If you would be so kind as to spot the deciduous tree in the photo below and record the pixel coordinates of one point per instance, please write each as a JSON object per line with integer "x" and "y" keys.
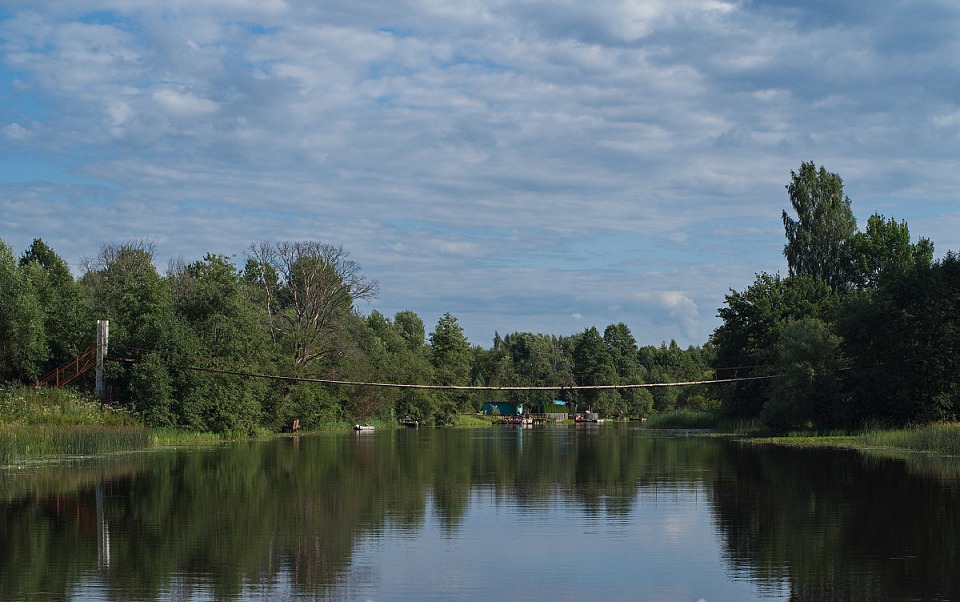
{"x": 23, "y": 348}
{"x": 817, "y": 239}
{"x": 307, "y": 288}
{"x": 753, "y": 320}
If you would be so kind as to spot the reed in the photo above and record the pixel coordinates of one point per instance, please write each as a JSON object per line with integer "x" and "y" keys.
{"x": 20, "y": 442}
{"x": 62, "y": 422}
{"x": 939, "y": 437}
{"x": 684, "y": 418}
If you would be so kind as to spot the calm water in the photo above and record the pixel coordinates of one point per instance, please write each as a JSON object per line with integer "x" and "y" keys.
{"x": 607, "y": 513}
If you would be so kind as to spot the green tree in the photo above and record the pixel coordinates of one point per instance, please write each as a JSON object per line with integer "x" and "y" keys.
{"x": 23, "y": 348}
{"x": 395, "y": 356}
{"x": 533, "y": 360}
{"x": 622, "y": 348}
{"x": 450, "y": 352}
{"x": 668, "y": 363}
{"x": 592, "y": 365}
{"x": 67, "y": 323}
{"x": 903, "y": 341}
{"x": 127, "y": 290}
{"x": 211, "y": 299}
{"x": 817, "y": 239}
{"x": 753, "y": 321}
{"x": 307, "y": 289}
{"x": 809, "y": 390}
{"x": 884, "y": 250}
{"x": 450, "y": 356}
{"x": 411, "y": 329}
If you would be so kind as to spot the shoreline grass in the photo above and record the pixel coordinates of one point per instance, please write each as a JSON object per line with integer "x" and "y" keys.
{"x": 941, "y": 438}
{"x": 43, "y": 423}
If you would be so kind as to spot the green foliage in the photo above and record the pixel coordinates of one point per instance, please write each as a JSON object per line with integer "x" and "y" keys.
{"x": 411, "y": 329}
{"x": 818, "y": 238}
{"x": 449, "y": 352}
{"x": 31, "y": 406}
{"x": 685, "y": 418}
{"x": 151, "y": 388}
{"x": 23, "y": 348}
{"x": 220, "y": 322}
{"x": 67, "y": 318}
{"x": 307, "y": 290}
{"x": 746, "y": 343}
{"x": 863, "y": 330}
{"x": 941, "y": 438}
{"x": 450, "y": 356}
{"x": 883, "y": 252}
{"x": 808, "y": 391}
{"x": 592, "y": 365}
{"x": 671, "y": 364}
{"x": 40, "y": 422}
{"x": 527, "y": 359}
{"x": 313, "y": 405}
{"x": 904, "y": 342}
{"x": 869, "y": 301}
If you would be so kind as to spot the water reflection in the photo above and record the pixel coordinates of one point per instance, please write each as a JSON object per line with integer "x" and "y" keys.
{"x": 608, "y": 512}
{"x": 839, "y": 525}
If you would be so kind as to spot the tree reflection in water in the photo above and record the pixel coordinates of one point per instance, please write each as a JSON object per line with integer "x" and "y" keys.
{"x": 289, "y": 513}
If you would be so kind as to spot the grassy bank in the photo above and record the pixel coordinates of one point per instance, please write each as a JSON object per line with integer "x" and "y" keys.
{"x": 941, "y": 438}
{"x": 684, "y": 419}
{"x": 938, "y": 438}
{"x": 39, "y": 423}
{"x": 36, "y": 423}
{"x": 56, "y": 422}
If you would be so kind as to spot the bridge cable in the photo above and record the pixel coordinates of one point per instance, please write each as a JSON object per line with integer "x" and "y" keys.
{"x": 350, "y": 383}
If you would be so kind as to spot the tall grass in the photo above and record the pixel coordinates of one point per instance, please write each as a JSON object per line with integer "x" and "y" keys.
{"x": 29, "y": 405}
{"x": 45, "y": 422}
{"x": 938, "y": 438}
{"x": 19, "y": 442}
{"x": 684, "y": 418}
{"x": 941, "y": 437}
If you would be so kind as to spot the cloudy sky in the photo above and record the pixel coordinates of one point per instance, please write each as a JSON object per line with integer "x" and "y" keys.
{"x": 526, "y": 165}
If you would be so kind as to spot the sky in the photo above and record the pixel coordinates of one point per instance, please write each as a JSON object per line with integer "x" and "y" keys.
{"x": 524, "y": 165}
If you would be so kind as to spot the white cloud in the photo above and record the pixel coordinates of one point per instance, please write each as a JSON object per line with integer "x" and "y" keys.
{"x": 526, "y": 165}
{"x": 15, "y": 131}
{"x": 184, "y": 103}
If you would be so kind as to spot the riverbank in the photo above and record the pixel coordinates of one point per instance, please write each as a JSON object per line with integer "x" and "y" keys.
{"x": 43, "y": 423}
{"x": 62, "y": 422}
{"x": 941, "y": 438}
{"x": 51, "y": 423}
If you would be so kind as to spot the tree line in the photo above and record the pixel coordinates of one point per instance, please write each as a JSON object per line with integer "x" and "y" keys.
{"x": 292, "y": 309}
{"x": 863, "y": 329}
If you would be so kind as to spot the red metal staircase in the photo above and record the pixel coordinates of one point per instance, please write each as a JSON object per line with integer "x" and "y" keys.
{"x": 73, "y": 369}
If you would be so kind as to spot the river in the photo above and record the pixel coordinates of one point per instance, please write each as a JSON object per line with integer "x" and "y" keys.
{"x": 609, "y": 512}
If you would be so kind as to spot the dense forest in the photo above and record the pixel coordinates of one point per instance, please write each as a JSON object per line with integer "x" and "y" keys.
{"x": 865, "y": 328}
{"x": 291, "y": 310}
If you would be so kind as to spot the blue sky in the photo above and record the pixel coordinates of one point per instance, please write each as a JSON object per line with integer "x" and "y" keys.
{"x": 524, "y": 165}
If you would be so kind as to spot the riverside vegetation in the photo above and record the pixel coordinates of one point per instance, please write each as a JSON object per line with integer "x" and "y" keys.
{"x": 863, "y": 330}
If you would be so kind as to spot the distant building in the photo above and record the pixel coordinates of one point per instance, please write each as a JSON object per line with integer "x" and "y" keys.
{"x": 502, "y": 408}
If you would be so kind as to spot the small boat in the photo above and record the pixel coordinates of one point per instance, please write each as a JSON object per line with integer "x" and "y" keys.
{"x": 363, "y": 427}
{"x": 410, "y": 422}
